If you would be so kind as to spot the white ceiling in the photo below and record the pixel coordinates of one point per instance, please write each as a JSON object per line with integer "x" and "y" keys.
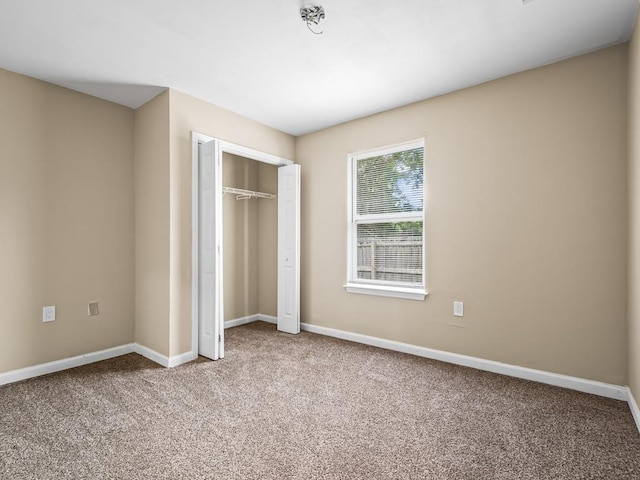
{"x": 257, "y": 58}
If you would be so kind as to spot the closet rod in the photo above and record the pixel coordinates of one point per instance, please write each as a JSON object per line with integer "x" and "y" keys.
{"x": 246, "y": 194}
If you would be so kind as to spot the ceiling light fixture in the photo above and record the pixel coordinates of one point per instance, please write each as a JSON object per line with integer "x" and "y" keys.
{"x": 312, "y": 15}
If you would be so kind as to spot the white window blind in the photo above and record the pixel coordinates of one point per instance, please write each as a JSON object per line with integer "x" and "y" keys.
{"x": 387, "y": 217}
{"x": 391, "y": 183}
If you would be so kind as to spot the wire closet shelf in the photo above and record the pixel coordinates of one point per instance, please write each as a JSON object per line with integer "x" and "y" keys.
{"x": 242, "y": 194}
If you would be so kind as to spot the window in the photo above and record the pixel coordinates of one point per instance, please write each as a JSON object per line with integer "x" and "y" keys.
{"x": 386, "y": 222}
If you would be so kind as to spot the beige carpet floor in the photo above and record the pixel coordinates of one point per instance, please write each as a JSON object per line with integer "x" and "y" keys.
{"x": 307, "y": 407}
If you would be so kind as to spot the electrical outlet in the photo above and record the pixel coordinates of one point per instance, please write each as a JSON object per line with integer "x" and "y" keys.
{"x": 93, "y": 309}
{"x": 48, "y": 314}
{"x": 458, "y": 309}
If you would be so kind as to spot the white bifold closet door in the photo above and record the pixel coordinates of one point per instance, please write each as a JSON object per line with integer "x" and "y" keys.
{"x": 209, "y": 298}
{"x": 289, "y": 249}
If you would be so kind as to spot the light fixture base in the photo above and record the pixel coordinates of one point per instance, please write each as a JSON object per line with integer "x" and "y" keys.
{"x": 312, "y": 15}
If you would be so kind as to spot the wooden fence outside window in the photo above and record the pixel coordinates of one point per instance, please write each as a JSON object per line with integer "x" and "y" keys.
{"x": 396, "y": 260}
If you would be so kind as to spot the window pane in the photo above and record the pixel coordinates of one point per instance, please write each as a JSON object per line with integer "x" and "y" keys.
{"x": 390, "y": 252}
{"x": 390, "y": 183}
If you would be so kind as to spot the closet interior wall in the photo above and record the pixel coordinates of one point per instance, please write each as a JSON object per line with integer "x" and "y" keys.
{"x": 250, "y": 240}
{"x": 268, "y": 241}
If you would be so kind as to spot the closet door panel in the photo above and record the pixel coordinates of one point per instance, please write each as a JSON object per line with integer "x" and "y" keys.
{"x": 208, "y": 276}
{"x": 289, "y": 249}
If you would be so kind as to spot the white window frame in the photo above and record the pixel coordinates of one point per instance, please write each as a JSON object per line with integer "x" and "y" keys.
{"x": 378, "y": 287}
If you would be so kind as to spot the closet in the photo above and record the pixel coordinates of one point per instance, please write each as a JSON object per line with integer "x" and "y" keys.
{"x": 246, "y": 243}
{"x": 250, "y": 239}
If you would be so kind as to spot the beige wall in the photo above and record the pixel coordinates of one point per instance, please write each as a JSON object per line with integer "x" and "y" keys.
{"x": 189, "y": 114}
{"x": 66, "y": 222}
{"x": 526, "y": 220}
{"x": 240, "y": 240}
{"x": 152, "y": 223}
{"x": 634, "y": 215}
{"x": 268, "y": 245}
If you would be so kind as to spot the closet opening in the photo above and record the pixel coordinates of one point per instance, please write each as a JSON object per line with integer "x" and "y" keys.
{"x": 246, "y": 241}
{"x": 250, "y": 240}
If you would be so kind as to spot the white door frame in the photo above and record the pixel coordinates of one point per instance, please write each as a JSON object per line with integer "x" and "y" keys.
{"x": 223, "y": 147}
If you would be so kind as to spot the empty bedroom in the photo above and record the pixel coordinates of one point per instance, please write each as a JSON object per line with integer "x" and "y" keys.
{"x": 320, "y": 239}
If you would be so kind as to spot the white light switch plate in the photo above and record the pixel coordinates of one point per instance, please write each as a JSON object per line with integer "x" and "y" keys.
{"x": 48, "y": 314}
{"x": 458, "y": 309}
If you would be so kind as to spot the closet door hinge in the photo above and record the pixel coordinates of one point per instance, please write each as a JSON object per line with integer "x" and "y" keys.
{"x": 219, "y": 338}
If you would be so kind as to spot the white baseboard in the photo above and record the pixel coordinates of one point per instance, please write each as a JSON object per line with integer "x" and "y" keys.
{"x": 72, "y": 362}
{"x": 635, "y": 411}
{"x": 236, "y": 322}
{"x": 151, "y": 355}
{"x": 181, "y": 359}
{"x": 167, "y": 362}
{"x": 556, "y": 379}
{"x": 64, "y": 364}
{"x": 268, "y": 318}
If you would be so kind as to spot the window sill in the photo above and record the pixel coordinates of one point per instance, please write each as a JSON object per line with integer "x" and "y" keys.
{"x": 387, "y": 291}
